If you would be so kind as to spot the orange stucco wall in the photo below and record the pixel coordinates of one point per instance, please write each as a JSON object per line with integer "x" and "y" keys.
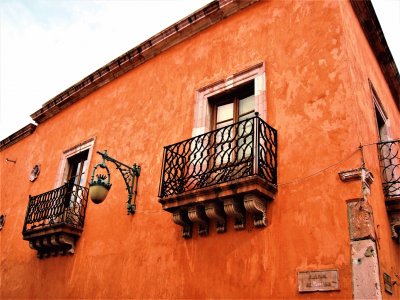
{"x": 317, "y": 66}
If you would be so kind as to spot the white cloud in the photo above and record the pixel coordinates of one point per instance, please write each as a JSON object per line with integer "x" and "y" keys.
{"x": 47, "y": 46}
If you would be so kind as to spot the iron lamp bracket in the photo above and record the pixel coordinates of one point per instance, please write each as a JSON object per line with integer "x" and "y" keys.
{"x": 130, "y": 175}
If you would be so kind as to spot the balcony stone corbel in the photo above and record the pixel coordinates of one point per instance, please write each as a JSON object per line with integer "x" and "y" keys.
{"x": 215, "y": 211}
{"x": 394, "y": 218}
{"x": 236, "y": 210}
{"x": 257, "y": 207}
{"x": 396, "y": 230}
{"x": 198, "y": 216}
{"x": 181, "y": 218}
{"x": 52, "y": 245}
{"x": 65, "y": 242}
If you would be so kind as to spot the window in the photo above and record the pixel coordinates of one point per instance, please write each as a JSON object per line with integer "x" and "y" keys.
{"x": 73, "y": 171}
{"x": 74, "y": 164}
{"x": 58, "y": 215}
{"x": 229, "y": 144}
{"x": 76, "y": 173}
{"x": 382, "y": 121}
{"x": 77, "y": 167}
{"x": 250, "y": 83}
{"x": 233, "y": 106}
{"x": 389, "y": 149}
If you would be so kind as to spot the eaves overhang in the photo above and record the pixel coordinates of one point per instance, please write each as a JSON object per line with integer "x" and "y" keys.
{"x": 372, "y": 29}
{"x": 199, "y": 20}
{"x": 17, "y": 136}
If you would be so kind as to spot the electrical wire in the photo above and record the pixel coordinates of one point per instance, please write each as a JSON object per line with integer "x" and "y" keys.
{"x": 320, "y": 171}
{"x": 301, "y": 179}
{"x": 381, "y": 142}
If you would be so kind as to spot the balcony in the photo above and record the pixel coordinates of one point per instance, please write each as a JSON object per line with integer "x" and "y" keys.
{"x": 54, "y": 220}
{"x": 228, "y": 172}
{"x": 389, "y": 157}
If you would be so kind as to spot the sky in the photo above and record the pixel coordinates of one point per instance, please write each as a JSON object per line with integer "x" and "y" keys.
{"x": 48, "y": 45}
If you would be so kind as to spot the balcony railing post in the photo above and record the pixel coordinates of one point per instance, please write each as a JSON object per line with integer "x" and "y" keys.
{"x": 67, "y": 194}
{"x": 256, "y": 143}
{"x": 27, "y": 213}
{"x": 161, "y": 190}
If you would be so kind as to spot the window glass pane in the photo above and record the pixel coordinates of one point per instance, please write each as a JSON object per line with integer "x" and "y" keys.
{"x": 246, "y": 105}
{"x": 226, "y": 123}
{"x": 224, "y": 112}
{"x": 247, "y": 116}
{"x": 77, "y": 172}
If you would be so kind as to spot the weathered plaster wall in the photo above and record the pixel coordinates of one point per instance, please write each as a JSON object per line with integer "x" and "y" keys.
{"x": 317, "y": 99}
{"x": 362, "y": 66}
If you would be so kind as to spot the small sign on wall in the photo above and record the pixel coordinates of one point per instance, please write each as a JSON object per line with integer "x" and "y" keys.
{"x": 318, "y": 280}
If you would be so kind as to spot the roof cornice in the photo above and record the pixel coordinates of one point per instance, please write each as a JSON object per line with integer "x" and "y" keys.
{"x": 199, "y": 20}
{"x": 17, "y": 136}
{"x": 372, "y": 29}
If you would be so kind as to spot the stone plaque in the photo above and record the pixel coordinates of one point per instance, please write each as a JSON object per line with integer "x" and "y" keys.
{"x": 318, "y": 281}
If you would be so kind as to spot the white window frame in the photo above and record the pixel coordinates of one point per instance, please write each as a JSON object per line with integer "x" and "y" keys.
{"x": 378, "y": 107}
{"x": 63, "y": 168}
{"x": 203, "y": 109}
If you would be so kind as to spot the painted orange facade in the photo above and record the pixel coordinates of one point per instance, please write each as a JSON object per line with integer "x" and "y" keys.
{"x": 318, "y": 65}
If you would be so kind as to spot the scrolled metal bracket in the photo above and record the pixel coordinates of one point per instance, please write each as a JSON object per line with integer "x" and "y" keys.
{"x": 130, "y": 175}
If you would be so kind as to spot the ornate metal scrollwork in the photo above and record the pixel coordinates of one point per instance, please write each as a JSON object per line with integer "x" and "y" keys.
{"x": 66, "y": 204}
{"x": 55, "y": 219}
{"x": 389, "y": 156}
{"x": 243, "y": 149}
{"x": 130, "y": 175}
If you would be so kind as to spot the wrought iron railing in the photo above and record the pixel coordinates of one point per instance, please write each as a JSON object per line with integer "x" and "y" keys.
{"x": 243, "y": 149}
{"x": 389, "y": 156}
{"x": 64, "y": 205}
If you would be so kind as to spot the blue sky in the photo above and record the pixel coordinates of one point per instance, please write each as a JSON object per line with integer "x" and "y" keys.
{"x": 48, "y": 45}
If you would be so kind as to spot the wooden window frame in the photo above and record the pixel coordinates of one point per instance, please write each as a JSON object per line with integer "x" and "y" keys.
{"x": 235, "y": 97}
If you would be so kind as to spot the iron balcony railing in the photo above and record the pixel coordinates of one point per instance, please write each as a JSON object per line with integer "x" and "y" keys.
{"x": 389, "y": 157}
{"x": 64, "y": 205}
{"x": 243, "y": 149}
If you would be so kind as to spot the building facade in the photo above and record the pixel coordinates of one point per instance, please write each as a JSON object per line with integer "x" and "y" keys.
{"x": 255, "y": 143}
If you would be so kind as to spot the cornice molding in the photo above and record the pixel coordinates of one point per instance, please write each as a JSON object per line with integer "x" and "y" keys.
{"x": 17, "y": 136}
{"x": 199, "y": 20}
{"x": 372, "y": 29}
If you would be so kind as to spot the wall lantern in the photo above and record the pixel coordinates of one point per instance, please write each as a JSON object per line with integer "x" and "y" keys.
{"x": 98, "y": 189}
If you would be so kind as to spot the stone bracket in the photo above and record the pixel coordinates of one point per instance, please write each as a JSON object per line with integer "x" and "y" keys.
{"x": 393, "y": 209}
{"x": 53, "y": 244}
{"x": 198, "y": 216}
{"x": 356, "y": 174}
{"x": 257, "y": 206}
{"x": 181, "y": 218}
{"x": 362, "y": 174}
{"x": 236, "y": 210}
{"x": 395, "y": 226}
{"x": 215, "y": 211}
